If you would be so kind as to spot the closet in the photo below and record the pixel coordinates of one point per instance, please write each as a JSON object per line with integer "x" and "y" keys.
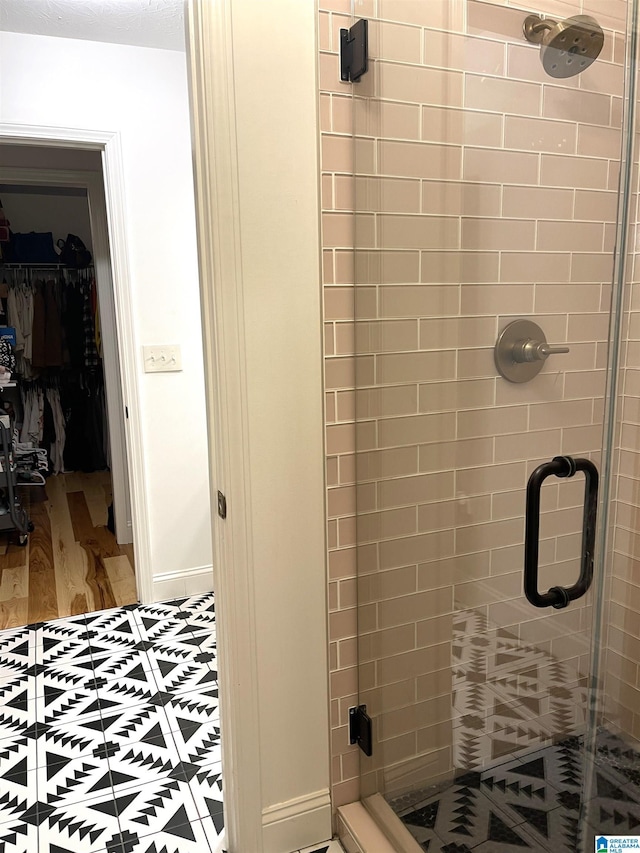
{"x": 51, "y": 345}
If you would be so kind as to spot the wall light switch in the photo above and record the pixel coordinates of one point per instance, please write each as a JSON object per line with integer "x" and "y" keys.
{"x": 162, "y": 358}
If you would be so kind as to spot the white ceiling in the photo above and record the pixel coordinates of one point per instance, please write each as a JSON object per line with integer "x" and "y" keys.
{"x": 147, "y": 23}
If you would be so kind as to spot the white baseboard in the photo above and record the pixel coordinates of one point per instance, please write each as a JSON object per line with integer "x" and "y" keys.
{"x": 297, "y": 823}
{"x": 182, "y": 583}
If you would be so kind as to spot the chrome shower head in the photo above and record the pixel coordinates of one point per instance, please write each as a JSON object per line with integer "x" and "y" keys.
{"x": 567, "y": 47}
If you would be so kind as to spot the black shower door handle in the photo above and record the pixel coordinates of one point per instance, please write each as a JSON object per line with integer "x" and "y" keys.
{"x": 559, "y": 596}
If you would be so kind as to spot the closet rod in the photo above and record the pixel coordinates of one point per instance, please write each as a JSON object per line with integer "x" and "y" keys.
{"x": 15, "y": 266}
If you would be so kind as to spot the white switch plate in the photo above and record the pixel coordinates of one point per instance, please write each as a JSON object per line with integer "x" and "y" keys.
{"x": 162, "y": 358}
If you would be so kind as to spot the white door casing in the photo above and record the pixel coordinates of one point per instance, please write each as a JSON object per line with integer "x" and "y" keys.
{"x": 220, "y": 260}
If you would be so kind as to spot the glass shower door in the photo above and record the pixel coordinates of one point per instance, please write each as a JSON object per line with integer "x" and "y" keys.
{"x": 486, "y": 192}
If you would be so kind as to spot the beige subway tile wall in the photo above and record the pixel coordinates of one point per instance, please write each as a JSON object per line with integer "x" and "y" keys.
{"x": 485, "y": 191}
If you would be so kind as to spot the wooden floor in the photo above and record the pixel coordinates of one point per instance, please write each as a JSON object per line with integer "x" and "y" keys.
{"x": 72, "y": 563}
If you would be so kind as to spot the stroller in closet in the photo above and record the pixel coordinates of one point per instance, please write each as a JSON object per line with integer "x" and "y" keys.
{"x": 13, "y": 516}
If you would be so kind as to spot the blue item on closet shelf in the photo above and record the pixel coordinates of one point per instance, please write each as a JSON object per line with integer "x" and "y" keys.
{"x": 8, "y": 333}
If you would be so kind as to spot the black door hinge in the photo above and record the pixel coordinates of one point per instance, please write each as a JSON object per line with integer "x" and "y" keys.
{"x": 360, "y": 730}
{"x": 222, "y": 505}
{"x": 354, "y": 51}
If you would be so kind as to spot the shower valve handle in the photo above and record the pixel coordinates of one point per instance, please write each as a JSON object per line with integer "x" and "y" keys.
{"x": 530, "y": 350}
{"x": 522, "y": 350}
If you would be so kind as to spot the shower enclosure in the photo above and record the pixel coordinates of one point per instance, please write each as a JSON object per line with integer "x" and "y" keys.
{"x": 495, "y": 189}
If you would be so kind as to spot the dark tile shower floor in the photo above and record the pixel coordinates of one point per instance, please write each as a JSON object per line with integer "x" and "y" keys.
{"x": 534, "y": 802}
{"x": 517, "y": 715}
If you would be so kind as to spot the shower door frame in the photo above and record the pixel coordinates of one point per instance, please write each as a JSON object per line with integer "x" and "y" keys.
{"x": 611, "y": 426}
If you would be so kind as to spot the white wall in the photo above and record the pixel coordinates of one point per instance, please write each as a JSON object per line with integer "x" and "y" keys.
{"x": 141, "y": 94}
{"x": 60, "y": 214}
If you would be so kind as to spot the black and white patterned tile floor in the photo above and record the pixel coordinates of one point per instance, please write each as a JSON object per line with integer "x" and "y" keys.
{"x": 534, "y": 802}
{"x": 110, "y": 732}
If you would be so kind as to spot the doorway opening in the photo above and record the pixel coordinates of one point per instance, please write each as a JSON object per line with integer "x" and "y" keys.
{"x": 63, "y": 402}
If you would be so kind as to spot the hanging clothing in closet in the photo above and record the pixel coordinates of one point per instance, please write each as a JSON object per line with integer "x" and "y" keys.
{"x": 46, "y": 332}
{"x": 83, "y": 389}
{"x": 73, "y": 322}
{"x": 85, "y": 424}
{"x": 33, "y": 310}
{"x": 20, "y": 316}
{"x": 60, "y": 368}
{"x": 32, "y": 416}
